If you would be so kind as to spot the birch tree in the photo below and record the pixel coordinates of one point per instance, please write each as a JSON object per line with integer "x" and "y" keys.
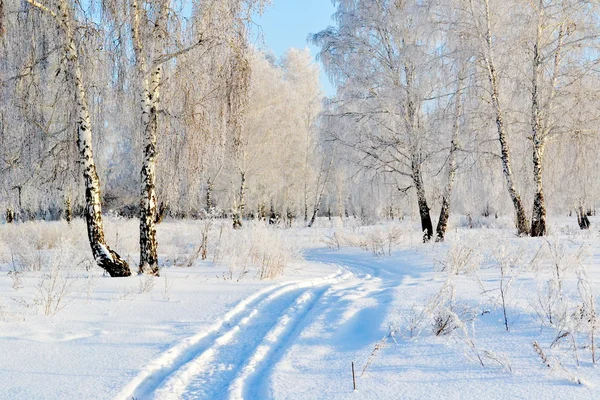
{"x": 105, "y": 257}
{"x": 562, "y": 27}
{"x": 492, "y": 74}
{"x": 385, "y": 72}
{"x": 150, "y": 76}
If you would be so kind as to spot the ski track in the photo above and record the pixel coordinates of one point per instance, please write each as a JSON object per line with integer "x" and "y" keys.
{"x": 172, "y": 369}
{"x": 235, "y": 357}
{"x": 254, "y": 379}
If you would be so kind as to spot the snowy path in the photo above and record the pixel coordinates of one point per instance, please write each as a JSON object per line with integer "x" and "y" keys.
{"x": 236, "y": 357}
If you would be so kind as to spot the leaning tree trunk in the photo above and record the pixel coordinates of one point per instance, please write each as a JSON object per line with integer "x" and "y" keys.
{"x": 106, "y": 258}
{"x": 522, "y": 224}
{"x": 442, "y": 225}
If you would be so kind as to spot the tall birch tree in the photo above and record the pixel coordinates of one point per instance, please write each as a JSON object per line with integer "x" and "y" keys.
{"x": 105, "y": 257}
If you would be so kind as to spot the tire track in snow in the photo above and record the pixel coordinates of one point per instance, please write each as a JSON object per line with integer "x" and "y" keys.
{"x": 252, "y": 381}
{"x": 275, "y": 340}
{"x": 209, "y": 376}
{"x": 173, "y": 370}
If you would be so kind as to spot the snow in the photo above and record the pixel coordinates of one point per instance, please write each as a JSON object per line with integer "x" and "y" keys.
{"x": 193, "y": 334}
{"x": 105, "y": 252}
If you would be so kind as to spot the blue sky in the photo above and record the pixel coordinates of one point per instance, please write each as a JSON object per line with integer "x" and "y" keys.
{"x": 287, "y": 23}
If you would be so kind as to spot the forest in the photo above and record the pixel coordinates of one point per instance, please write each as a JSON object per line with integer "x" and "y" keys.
{"x": 163, "y": 134}
{"x": 457, "y": 106}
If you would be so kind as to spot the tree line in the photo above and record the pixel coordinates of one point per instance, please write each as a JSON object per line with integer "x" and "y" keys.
{"x": 147, "y": 108}
{"x": 448, "y": 84}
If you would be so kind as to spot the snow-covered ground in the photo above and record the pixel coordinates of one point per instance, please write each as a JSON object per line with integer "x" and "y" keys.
{"x": 417, "y": 321}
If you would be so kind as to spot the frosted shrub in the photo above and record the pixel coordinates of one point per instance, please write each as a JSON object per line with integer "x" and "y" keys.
{"x": 256, "y": 246}
{"x": 270, "y": 253}
{"x": 381, "y": 240}
{"x": 27, "y": 246}
{"x": 562, "y": 259}
{"x": 28, "y": 260}
{"x": 335, "y": 240}
{"x": 479, "y": 222}
{"x": 444, "y": 322}
{"x": 17, "y": 279}
{"x": 123, "y": 234}
{"x": 459, "y": 259}
{"x": 57, "y": 282}
{"x": 147, "y": 283}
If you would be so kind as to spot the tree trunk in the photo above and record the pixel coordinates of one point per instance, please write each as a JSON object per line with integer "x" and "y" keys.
{"x": 320, "y": 192}
{"x": 106, "y": 258}
{"x": 313, "y": 217}
{"x": 521, "y": 223}
{"x": 538, "y": 218}
{"x": 442, "y": 225}
{"x": 412, "y": 125}
{"x": 209, "y": 201}
{"x": 150, "y": 99}
{"x": 340, "y": 200}
{"x": 240, "y": 206}
{"x": 305, "y": 210}
{"x": 426, "y": 225}
{"x": 10, "y": 215}
{"x": 68, "y": 210}
{"x": 540, "y": 127}
{"x": 2, "y": 28}
{"x": 148, "y": 200}
{"x": 582, "y": 219}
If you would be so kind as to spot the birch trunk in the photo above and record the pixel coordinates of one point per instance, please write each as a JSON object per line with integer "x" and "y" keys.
{"x": 209, "y": 201}
{"x": 240, "y": 206}
{"x": 320, "y": 192}
{"x": 148, "y": 200}
{"x": 68, "y": 209}
{"x": 522, "y": 224}
{"x": 150, "y": 100}
{"x": 426, "y": 225}
{"x": 540, "y": 127}
{"x": 582, "y": 219}
{"x": 538, "y": 219}
{"x": 106, "y": 258}
{"x": 416, "y": 174}
{"x": 447, "y": 195}
{"x": 10, "y": 215}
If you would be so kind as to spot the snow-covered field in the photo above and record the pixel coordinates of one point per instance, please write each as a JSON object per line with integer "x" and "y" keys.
{"x": 483, "y": 315}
